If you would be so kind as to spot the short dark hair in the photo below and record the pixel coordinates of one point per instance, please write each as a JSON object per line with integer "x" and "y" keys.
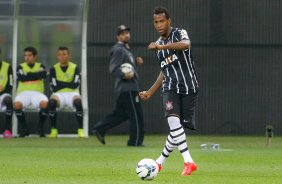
{"x": 32, "y": 50}
{"x": 64, "y": 48}
{"x": 160, "y": 10}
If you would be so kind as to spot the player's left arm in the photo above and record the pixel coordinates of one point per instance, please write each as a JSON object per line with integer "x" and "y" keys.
{"x": 181, "y": 42}
{"x": 76, "y": 79}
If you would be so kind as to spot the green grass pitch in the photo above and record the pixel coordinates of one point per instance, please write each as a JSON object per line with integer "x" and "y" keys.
{"x": 241, "y": 160}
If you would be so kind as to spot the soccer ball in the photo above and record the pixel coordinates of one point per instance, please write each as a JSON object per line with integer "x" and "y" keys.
{"x": 127, "y": 68}
{"x": 147, "y": 169}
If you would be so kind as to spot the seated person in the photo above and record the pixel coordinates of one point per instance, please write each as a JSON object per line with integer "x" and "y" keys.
{"x": 30, "y": 90}
{"x": 64, "y": 83}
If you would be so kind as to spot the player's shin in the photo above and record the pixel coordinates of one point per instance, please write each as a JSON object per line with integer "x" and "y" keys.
{"x": 79, "y": 112}
{"x": 42, "y": 117}
{"x": 52, "y": 105}
{"x": 8, "y": 116}
{"x": 178, "y": 135}
{"x": 168, "y": 148}
{"x": 79, "y": 118}
{"x": 8, "y": 113}
{"x": 21, "y": 118}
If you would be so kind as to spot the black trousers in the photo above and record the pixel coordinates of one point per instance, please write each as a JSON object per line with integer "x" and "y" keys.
{"x": 127, "y": 107}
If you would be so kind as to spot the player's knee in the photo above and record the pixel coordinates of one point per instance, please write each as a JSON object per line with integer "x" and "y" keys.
{"x": 173, "y": 122}
{"x": 78, "y": 104}
{"x": 52, "y": 104}
{"x": 43, "y": 105}
{"x": 8, "y": 102}
{"x": 18, "y": 105}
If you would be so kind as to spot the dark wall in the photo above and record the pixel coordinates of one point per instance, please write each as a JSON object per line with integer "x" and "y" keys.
{"x": 237, "y": 49}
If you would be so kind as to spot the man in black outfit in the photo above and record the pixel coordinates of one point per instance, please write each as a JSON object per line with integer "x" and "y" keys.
{"x": 127, "y": 105}
{"x": 179, "y": 84}
{"x": 30, "y": 91}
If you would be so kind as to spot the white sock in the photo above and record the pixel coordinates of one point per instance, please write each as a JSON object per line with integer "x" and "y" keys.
{"x": 168, "y": 148}
{"x": 187, "y": 157}
{"x": 178, "y": 135}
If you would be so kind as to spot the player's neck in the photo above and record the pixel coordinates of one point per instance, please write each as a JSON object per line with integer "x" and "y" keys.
{"x": 125, "y": 44}
{"x": 167, "y": 34}
{"x": 64, "y": 64}
{"x": 31, "y": 63}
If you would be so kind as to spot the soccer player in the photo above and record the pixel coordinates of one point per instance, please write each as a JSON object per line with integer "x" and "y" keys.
{"x": 30, "y": 90}
{"x": 127, "y": 106}
{"x": 6, "y": 103}
{"x": 179, "y": 86}
{"x": 64, "y": 83}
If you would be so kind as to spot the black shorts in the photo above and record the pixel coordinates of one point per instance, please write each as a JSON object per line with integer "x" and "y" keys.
{"x": 181, "y": 105}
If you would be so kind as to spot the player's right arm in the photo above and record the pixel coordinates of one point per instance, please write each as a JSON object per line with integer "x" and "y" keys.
{"x": 52, "y": 80}
{"x": 182, "y": 45}
{"x": 23, "y": 77}
{"x": 145, "y": 95}
{"x": 116, "y": 61}
{"x": 117, "y": 57}
{"x": 38, "y": 75}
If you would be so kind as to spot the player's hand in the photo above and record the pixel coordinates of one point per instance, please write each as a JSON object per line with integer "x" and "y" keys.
{"x": 128, "y": 76}
{"x": 154, "y": 46}
{"x": 145, "y": 95}
{"x": 139, "y": 60}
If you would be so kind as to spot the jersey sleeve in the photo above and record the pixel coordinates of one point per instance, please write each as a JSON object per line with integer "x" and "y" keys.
{"x": 20, "y": 74}
{"x": 181, "y": 34}
{"x": 52, "y": 80}
{"x": 76, "y": 79}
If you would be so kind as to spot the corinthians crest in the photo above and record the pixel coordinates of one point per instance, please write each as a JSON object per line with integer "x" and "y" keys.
{"x": 168, "y": 105}
{"x": 67, "y": 75}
